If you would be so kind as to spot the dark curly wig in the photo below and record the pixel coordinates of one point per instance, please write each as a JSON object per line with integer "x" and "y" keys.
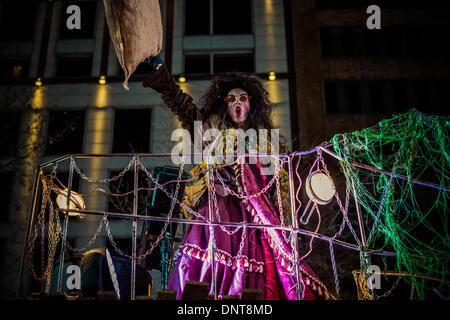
{"x": 213, "y": 104}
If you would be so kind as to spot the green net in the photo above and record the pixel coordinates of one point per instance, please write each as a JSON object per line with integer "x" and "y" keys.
{"x": 405, "y": 201}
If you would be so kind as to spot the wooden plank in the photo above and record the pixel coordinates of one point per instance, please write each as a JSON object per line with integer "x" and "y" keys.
{"x": 231, "y": 297}
{"x": 194, "y": 290}
{"x": 167, "y": 295}
{"x": 144, "y": 298}
{"x": 251, "y": 294}
{"x": 106, "y": 295}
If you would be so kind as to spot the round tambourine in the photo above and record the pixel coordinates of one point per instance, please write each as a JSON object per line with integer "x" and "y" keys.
{"x": 320, "y": 187}
{"x": 76, "y": 201}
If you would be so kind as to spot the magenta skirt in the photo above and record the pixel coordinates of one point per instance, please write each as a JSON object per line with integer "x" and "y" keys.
{"x": 245, "y": 257}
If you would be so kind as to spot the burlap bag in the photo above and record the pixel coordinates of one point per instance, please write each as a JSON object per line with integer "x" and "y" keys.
{"x": 136, "y": 31}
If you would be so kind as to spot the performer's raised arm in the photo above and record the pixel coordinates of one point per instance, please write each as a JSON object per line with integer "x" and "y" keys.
{"x": 180, "y": 103}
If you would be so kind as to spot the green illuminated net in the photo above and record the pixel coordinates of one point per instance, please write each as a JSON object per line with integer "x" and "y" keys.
{"x": 406, "y": 211}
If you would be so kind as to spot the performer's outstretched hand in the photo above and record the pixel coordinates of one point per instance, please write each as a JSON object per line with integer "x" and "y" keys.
{"x": 154, "y": 61}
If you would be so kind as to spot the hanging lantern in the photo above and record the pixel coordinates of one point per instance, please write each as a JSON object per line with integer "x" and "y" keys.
{"x": 76, "y": 202}
{"x": 320, "y": 187}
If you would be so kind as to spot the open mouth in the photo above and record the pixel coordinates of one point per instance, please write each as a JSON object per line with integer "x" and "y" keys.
{"x": 238, "y": 110}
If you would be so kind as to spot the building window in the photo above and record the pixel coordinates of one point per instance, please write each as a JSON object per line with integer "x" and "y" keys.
{"x": 14, "y": 69}
{"x": 65, "y": 132}
{"x": 387, "y": 96}
{"x": 387, "y": 4}
{"x": 9, "y": 132}
{"x": 221, "y": 62}
{"x": 88, "y": 11}
{"x": 232, "y": 17}
{"x": 208, "y": 17}
{"x": 18, "y": 21}
{"x": 197, "y": 63}
{"x": 74, "y": 67}
{"x": 197, "y": 13}
{"x": 6, "y": 179}
{"x": 132, "y": 131}
{"x": 233, "y": 62}
{"x": 387, "y": 42}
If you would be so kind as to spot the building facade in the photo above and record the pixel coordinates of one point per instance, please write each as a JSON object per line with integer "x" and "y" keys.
{"x": 69, "y": 112}
{"x": 333, "y": 75}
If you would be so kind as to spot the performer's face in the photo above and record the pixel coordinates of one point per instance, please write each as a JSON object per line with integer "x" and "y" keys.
{"x": 238, "y": 106}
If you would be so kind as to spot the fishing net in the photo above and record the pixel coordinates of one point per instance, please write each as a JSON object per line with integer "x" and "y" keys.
{"x": 405, "y": 199}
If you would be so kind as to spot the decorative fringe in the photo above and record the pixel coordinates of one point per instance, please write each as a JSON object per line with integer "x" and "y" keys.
{"x": 250, "y": 265}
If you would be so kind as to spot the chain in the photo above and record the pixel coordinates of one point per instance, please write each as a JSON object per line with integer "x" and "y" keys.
{"x": 160, "y": 187}
{"x": 255, "y": 195}
{"x": 52, "y": 238}
{"x": 387, "y": 293}
{"x": 91, "y": 241}
{"x": 241, "y": 245}
{"x": 216, "y": 207}
{"x": 280, "y": 206}
{"x": 169, "y": 216}
{"x": 333, "y": 265}
{"x": 92, "y": 180}
{"x": 33, "y": 239}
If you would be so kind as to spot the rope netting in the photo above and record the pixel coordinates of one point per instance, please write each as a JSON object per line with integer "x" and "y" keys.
{"x": 402, "y": 211}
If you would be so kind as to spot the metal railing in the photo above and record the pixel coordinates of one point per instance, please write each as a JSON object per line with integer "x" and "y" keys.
{"x": 208, "y": 221}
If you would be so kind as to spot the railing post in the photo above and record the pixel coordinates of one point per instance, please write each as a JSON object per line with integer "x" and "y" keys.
{"x": 212, "y": 243}
{"x": 134, "y": 232}
{"x": 66, "y": 222}
{"x": 362, "y": 233}
{"x": 29, "y": 227}
{"x": 294, "y": 225}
